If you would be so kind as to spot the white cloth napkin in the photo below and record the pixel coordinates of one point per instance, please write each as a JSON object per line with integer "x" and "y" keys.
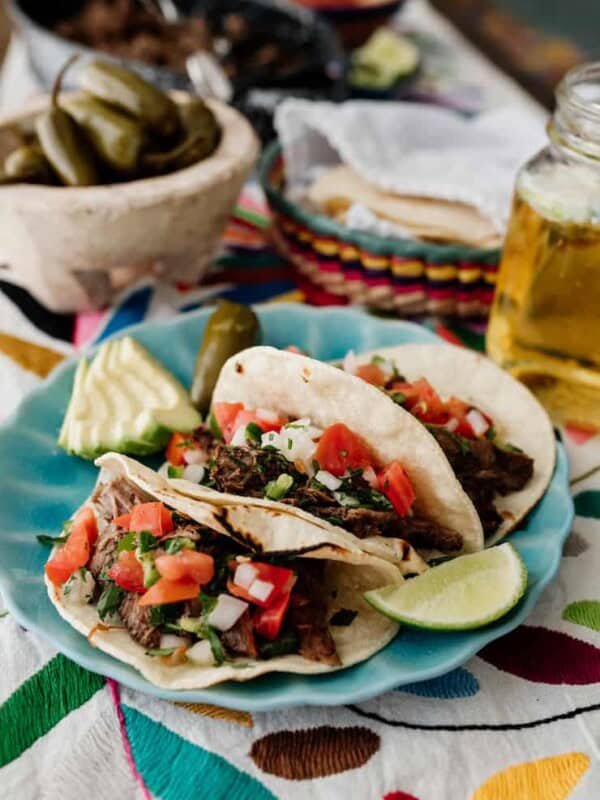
{"x": 413, "y": 149}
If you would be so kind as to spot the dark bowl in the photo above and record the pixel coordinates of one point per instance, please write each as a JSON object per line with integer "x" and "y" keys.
{"x": 354, "y": 24}
{"x": 322, "y": 74}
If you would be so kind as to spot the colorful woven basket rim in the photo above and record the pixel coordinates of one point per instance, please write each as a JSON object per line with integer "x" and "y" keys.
{"x": 271, "y": 171}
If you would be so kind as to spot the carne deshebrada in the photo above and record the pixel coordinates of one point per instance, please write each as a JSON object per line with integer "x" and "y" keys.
{"x": 173, "y": 586}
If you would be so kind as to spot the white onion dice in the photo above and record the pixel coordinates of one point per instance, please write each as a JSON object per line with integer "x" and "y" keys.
{"x": 227, "y": 612}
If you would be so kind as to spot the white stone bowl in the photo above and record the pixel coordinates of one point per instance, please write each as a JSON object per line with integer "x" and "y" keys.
{"x": 74, "y": 249}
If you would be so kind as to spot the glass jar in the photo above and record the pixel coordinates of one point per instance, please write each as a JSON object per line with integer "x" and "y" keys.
{"x": 545, "y": 321}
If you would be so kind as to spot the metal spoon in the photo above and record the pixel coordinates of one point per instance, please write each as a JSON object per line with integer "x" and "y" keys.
{"x": 204, "y": 71}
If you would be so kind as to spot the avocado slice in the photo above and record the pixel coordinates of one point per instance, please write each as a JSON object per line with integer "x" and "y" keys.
{"x": 124, "y": 401}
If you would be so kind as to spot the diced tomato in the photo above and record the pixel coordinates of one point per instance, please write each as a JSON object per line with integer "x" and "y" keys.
{"x": 151, "y": 517}
{"x": 75, "y": 552}
{"x": 422, "y": 400}
{"x": 268, "y": 621}
{"x": 123, "y": 521}
{"x": 128, "y": 573}
{"x": 225, "y": 414}
{"x": 166, "y": 591}
{"x": 199, "y": 567}
{"x": 458, "y": 410}
{"x": 340, "y": 449}
{"x": 281, "y": 578}
{"x": 292, "y": 348}
{"x": 396, "y": 486}
{"x": 60, "y": 567}
{"x": 244, "y": 418}
{"x": 176, "y": 448}
{"x": 86, "y": 520}
{"x": 371, "y": 373}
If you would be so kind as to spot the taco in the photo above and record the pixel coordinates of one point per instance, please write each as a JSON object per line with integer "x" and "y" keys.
{"x": 191, "y": 594}
{"x": 287, "y": 431}
{"x": 494, "y": 433}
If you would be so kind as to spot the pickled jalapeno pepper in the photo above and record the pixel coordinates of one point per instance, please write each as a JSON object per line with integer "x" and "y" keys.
{"x": 116, "y": 138}
{"x": 232, "y": 327}
{"x": 63, "y": 142}
{"x": 129, "y": 92}
{"x": 198, "y": 121}
{"x": 28, "y": 164}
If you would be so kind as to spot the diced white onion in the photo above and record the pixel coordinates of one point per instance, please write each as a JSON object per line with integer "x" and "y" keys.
{"x": 477, "y": 421}
{"x": 201, "y": 653}
{"x": 195, "y": 456}
{"x": 227, "y": 612}
{"x": 244, "y": 575}
{"x": 346, "y": 499}
{"x": 164, "y": 470}
{"x": 239, "y": 437}
{"x": 168, "y": 640}
{"x": 350, "y": 363}
{"x": 370, "y": 477}
{"x": 452, "y": 424}
{"x": 267, "y": 415}
{"x": 261, "y": 590}
{"x": 80, "y": 589}
{"x": 328, "y": 480}
{"x": 270, "y": 439}
{"x": 193, "y": 473}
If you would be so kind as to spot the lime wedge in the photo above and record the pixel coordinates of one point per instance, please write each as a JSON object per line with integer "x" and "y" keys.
{"x": 467, "y": 592}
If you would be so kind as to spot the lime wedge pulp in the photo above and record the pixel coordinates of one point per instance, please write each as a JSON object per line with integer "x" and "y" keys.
{"x": 468, "y": 592}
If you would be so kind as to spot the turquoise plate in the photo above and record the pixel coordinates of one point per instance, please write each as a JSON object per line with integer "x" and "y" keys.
{"x": 40, "y": 486}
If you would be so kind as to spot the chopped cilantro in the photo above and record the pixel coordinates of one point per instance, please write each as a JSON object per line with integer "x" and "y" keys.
{"x": 110, "y": 600}
{"x": 212, "y": 637}
{"x": 207, "y": 602}
{"x": 510, "y": 448}
{"x": 127, "y": 542}
{"x": 290, "y": 444}
{"x": 275, "y": 490}
{"x": 214, "y": 426}
{"x": 254, "y": 433}
{"x": 51, "y": 540}
{"x": 147, "y": 541}
{"x": 285, "y": 643}
{"x": 166, "y": 613}
{"x": 161, "y": 651}
{"x": 174, "y": 472}
{"x": 398, "y": 397}
{"x": 177, "y": 544}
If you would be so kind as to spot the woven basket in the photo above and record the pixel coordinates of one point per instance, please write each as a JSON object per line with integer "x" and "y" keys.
{"x": 402, "y": 275}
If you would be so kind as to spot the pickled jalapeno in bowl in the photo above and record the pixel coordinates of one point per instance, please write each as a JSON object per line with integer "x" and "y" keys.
{"x": 116, "y": 183}
{"x": 117, "y": 128}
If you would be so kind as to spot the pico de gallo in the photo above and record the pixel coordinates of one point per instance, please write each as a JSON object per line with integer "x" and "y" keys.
{"x": 186, "y": 593}
{"x": 331, "y": 473}
{"x": 484, "y": 464}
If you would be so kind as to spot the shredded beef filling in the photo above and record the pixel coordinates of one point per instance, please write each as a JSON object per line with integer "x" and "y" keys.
{"x": 308, "y": 618}
{"x": 247, "y": 470}
{"x": 484, "y": 469}
{"x": 239, "y": 640}
{"x": 136, "y": 619}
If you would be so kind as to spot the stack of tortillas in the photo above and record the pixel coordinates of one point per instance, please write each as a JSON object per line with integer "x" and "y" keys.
{"x": 338, "y": 189}
{"x": 407, "y": 169}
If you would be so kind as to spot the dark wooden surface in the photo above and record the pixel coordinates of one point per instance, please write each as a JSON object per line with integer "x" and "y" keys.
{"x": 4, "y": 30}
